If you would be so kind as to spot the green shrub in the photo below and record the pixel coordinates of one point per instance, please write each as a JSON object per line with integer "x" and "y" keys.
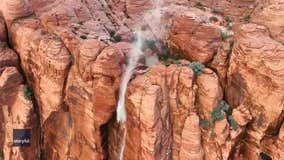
{"x": 247, "y": 18}
{"x": 170, "y": 61}
{"x": 264, "y": 156}
{"x": 149, "y": 44}
{"x": 71, "y": 59}
{"x": 231, "y": 43}
{"x": 259, "y": 120}
{"x": 28, "y": 93}
{"x": 218, "y": 113}
{"x": 225, "y": 107}
{"x": 187, "y": 114}
{"x": 224, "y": 35}
{"x": 204, "y": 124}
{"x": 228, "y": 19}
{"x": 216, "y": 11}
{"x": 114, "y": 36}
{"x": 83, "y": 37}
{"x": 200, "y": 6}
{"x": 1, "y": 155}
{"x": 165, "y": 56}
{"x": 165, "y": 52}
{"x": 213, "y": 134}
{"x": 197, "y": 67}
{"x": 213, "y": 18}
{"x": 232, "y": 123}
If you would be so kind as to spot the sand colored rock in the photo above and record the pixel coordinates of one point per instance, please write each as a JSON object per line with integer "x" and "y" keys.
{"x": 16, "y": 112}
{"x": 255, "y": 72}
{"x": 209, "y": 93}
{"x": 58, "y": 131}
{"x": 14, "y": 9}
{"x": 268, "y": 14}
{"x": 191, "y": 147}
{"x": 45, "y": 60}
{"x": 237, "y": 10}
{"x": 242, "y": 115}
{"x": 148, "y": 118}
{"x": 7, "y": 57}
{"x": 91, "y": 96}
{"x": 3, "y": 32}
{"x": 189, "y": 37}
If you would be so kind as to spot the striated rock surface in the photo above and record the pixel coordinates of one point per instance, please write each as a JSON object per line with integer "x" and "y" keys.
{"x": 45, "y": 60}
{"x": 16, "y": 112}
{"x": 189, "y": 38}
{"x": 91, "y": 90}
{"x": 256, "y": 82}
{"x": 14, "y": 9}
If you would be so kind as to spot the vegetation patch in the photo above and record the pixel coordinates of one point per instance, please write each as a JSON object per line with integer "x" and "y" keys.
{"x": 204, "y": 123}
{"x": 83, "y": 37}
{"x": 114, "y": 37}
{"x": 1, "y": 155}
{"x": 232, "y": 123}
{"x": 224, "y": 35}
{"x": 218, "y": 114}
{"x": 216, "y": 11}
{"x": 71, "y": 59}
{"x": 213, "y": 134}
{"x": 228, "y": 19}
{"x": 247, "y": 18}
{"x": 197, "y": 67}
{"x": 166, "y": 57}
{"x": 149, "y": 44}
{"x": 264, "y": 156}
{"x": 213, "y": 19}
{"x": 200, "y": 6}
{"x": 28, "y": 93}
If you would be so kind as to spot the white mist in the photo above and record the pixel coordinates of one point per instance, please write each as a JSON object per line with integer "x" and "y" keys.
{"x": 153, "y": 17}
{"x": 136, "y": 53}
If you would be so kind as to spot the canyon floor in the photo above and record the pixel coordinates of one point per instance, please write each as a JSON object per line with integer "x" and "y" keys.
{"x": 209, "y": 86}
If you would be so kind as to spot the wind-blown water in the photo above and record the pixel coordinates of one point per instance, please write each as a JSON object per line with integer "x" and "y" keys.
{"x": 136, "y": 52}
{"x": 132, "y": 62}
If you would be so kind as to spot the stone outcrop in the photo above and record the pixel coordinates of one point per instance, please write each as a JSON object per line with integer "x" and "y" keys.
{"x": 17, "y": 110}
{"x": 254, "y": 81}
{"x": 45, "y": 60}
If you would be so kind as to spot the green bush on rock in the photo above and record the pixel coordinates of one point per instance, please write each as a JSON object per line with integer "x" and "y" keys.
{"x": 28, "y": 93}
{"x": 197, "y": 67}
{"x": 218, "y": 114}
{"x": 204, "y": 124}
{"x": 232, "y": 123}
{"x": 1, "y": 155}
{"x": 149, "y": 44}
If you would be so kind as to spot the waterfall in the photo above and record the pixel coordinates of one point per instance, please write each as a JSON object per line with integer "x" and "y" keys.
{"x": 154, "y": 17}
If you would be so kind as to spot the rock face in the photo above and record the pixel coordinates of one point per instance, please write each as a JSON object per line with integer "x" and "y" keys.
{"x": 214, "y": 90}
{"x": 17, "y": 111}
{"x": 255, "y": 82}
{"x": 193, "y": 43}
